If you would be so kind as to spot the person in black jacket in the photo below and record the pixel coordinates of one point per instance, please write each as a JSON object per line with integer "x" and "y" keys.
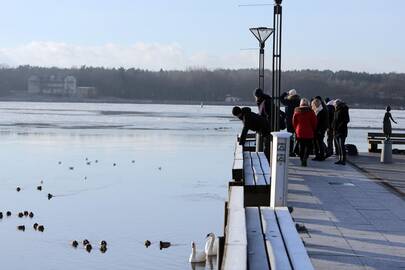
{"x": 340, "y": 120}
{"x": 322, "y": 116}
{"x": 264, "y": 103}
{"x": 290, "y": 100}
{"x": 330, "y": 106}
{"x": 255, "y": 122}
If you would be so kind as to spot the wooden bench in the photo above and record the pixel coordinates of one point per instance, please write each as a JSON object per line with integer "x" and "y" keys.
{"x": 260, "y": 238}
{"x": 273, "y": 241}
{"x": 376, "y": 138}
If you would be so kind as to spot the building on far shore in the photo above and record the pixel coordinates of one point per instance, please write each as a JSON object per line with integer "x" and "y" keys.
{"x": 231, "y": 99}
{"x": 59, "y": 86}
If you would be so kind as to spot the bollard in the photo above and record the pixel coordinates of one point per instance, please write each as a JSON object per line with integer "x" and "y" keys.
{"x": 259, "y": 142}
{"x": 279, "y": 168}
{"x": 386, "y": 151}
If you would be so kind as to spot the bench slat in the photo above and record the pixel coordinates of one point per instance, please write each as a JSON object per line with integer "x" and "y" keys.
{"x": 299, "y": 256}
{"x": 274, "y": 242}
{"x": 256, "y": 249}
{"x": 235, "y": 251}
{"x": 260, "y": 180}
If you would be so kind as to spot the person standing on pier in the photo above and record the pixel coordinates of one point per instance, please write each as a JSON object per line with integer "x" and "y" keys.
{"x": 255, "y": 122}
{"x": 264, "y": 104}
{"x": 304, "y": 123}
{"x": 330, "y": 106}
{"x": 340, "y": 120}
{"x": 290, "y": 100}
{"x": 321, "y": 113}
{"x": 387, "y": 123}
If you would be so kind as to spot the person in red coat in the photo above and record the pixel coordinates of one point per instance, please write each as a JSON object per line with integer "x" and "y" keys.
{"x": 304, "y": 122}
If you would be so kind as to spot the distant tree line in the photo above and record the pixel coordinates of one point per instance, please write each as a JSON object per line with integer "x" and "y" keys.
{"x": 214, "y": 85}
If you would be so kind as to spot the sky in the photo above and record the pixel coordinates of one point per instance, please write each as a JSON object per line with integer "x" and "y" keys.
{"x": 356, "y": 35}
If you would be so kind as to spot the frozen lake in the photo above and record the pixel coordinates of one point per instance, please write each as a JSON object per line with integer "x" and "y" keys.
{"x": 173, "y": 191}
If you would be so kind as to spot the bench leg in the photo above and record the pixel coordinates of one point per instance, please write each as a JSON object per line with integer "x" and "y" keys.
{"x": 372, "y": 147}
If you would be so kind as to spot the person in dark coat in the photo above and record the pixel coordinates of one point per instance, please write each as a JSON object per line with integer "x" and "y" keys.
{"x": 387, "y": 123}
{"x": 330, "y": 141}
{"x": 290, "y": 100}
{"x": 304, "y": 123}
{"x": 340, "y": 120}
{"x": 265, "y": 104}
{"x": 322, "y": 116}
{"x": 255, "y": 122}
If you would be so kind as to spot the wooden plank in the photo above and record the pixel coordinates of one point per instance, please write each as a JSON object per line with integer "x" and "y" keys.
{"x": 235, "y": 197}
{"x": 256, "y": 249}
{"x": 274, "y": 241}
{"x": 298, "y": 253}
{"x": 264, "y": 163}
{"x": 249, "y": 179}
{"x": 260, "y": 180}
{"x": 235, "y": 250}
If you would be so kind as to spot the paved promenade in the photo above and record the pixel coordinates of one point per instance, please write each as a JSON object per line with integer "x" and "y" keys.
{"x": 392, "y": 175}
{"x": 352, "y": 221}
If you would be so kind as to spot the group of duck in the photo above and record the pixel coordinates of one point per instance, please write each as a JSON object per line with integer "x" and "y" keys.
{"x": 88, "y": 247}
{"x": 36, "y": 226}
{"x": 196, "y": 256}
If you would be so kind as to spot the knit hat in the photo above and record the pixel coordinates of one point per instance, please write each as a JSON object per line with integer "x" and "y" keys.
{"x": 292, "y": 92}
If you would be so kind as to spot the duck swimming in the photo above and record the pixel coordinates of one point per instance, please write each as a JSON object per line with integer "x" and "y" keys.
{"x": 163, "y": 245}
{"x": 88, "y": 247}
{"x": 18, "y": 189}
{"x": 85, "y": 242}
{"x": 39, "y": 188}
{"x": 35, "y": 226}
{"x": 1, "y": 215}
{"x": 25, "y": 213}
{"x": 21, "y": 227}
{"x": 103, "y": 249}
{"x": 20, "y": 215}
{"x": 50, "y": 196}
{"x": 75, "y": 243}
{"x": 31, "y": 215}
{"x": 103, "y": 243}
{"x": 147, "y": 243}
{"x": 8, "y": 213}
{"x": 41, "y": 228}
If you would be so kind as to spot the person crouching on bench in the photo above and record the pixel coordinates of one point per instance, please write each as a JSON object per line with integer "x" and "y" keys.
{"x": 255, "y": 122}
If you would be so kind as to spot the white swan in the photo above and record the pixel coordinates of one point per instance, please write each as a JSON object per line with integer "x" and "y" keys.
{"x": 211, "y": 245}
{"x": 196, "y": 256}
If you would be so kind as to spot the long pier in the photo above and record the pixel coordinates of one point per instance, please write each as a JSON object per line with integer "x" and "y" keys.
{"x": 345, "y": 218}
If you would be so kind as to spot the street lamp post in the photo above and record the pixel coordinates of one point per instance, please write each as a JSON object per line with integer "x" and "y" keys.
{"x": 261, "y": 34}
{"x": 276, "y": 89}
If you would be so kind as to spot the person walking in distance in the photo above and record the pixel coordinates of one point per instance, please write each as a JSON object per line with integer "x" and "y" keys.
{"x": 304, "y": 123}
{"x": 340, "y": 120}
{"x": 290, "y": 100}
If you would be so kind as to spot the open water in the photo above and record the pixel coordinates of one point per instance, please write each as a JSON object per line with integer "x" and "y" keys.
{"x": 169, "y": 182}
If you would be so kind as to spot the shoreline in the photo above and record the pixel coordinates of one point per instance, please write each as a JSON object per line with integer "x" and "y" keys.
{"x": 114, "y": 100}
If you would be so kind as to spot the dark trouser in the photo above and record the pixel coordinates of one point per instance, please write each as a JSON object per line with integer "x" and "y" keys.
{"x": 305, "y": 146}
{"x": 330, "y": 141}
{"x": 266, "y": 150}
{"x": 292, "y": 138}
{"x": 341, "y": 148}
{"x": 319, "y": 146}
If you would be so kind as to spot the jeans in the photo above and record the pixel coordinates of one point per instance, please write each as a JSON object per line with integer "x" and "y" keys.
{"x": 341, "y": 148}
{"x": 319, "y": 146}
